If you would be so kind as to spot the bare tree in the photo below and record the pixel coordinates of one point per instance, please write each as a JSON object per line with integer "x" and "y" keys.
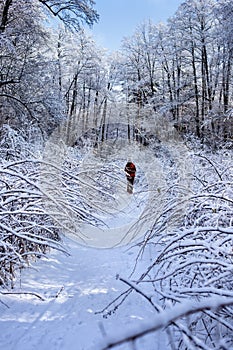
{"x": 71, "y": 13}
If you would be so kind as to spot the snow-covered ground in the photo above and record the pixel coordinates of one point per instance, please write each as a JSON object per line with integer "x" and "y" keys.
{"x": 65, "y": 301}
{"x": 74, "y": 288}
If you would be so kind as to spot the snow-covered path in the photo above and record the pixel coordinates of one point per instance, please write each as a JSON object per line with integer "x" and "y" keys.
{"x": 77, "y": 286}
{"x": 84, "y": 283}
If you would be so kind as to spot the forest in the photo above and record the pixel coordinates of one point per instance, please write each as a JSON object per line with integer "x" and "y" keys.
{"x": 69, "y": 110}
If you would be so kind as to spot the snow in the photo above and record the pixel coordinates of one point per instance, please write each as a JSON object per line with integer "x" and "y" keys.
{"x": 64, "y": 301}
{"x": 118, "y": 219}
{"x": 75, "y": 287}
{"x": 166, "y": 317}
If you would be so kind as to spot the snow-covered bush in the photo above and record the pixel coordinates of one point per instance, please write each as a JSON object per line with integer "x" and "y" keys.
{"x": 193, "y": 262}
{"x": 27, "y": 231}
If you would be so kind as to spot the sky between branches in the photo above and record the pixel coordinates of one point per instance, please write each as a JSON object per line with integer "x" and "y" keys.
{"x": 119, "y": 18}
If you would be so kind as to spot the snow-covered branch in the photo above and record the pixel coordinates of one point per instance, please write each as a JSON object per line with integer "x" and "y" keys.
{"x": 192, "y": 259}
{"x": 166, "y": 318}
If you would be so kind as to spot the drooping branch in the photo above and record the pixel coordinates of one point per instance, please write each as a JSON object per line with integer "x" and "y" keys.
{"x": 24, "y": 293}
{"x": 71, "y": 13}
{"x": 6, "y": 82}
{"x": 168, "y": 317}
{"x": 26, "y": 107}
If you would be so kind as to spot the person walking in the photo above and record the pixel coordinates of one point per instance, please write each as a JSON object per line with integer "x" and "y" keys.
{"x": 130, "y": 170}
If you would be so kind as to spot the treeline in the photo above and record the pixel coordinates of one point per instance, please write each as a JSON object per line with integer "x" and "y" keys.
{"x": 181, "y": 70}
{"x": 185, "y": 67}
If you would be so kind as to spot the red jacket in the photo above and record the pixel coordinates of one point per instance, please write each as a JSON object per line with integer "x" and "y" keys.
{"x": 130, "y": 169}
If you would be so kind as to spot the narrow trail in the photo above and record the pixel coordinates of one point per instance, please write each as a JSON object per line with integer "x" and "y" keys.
{"x": 163, "y": 163}
{"x": 75, "y": 287}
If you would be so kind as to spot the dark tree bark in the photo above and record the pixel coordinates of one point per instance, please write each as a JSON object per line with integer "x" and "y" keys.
{"x": 5, "y": 12}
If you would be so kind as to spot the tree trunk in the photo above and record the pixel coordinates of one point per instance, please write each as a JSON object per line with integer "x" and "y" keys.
{"x": 226, "y": 80}
{"x": 4, "y": 18}
{"x": 197, "y": 115}
{"x": 103, "y": 124}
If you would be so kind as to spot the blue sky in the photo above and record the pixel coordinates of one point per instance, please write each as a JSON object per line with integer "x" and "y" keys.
{"x": 119, "y": 18}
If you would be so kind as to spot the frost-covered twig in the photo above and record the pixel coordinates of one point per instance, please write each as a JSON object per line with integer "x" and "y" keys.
{"x": 24, "y": 293}
{"x": 165, "y": 318}
{"x": 138, "y": 290}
